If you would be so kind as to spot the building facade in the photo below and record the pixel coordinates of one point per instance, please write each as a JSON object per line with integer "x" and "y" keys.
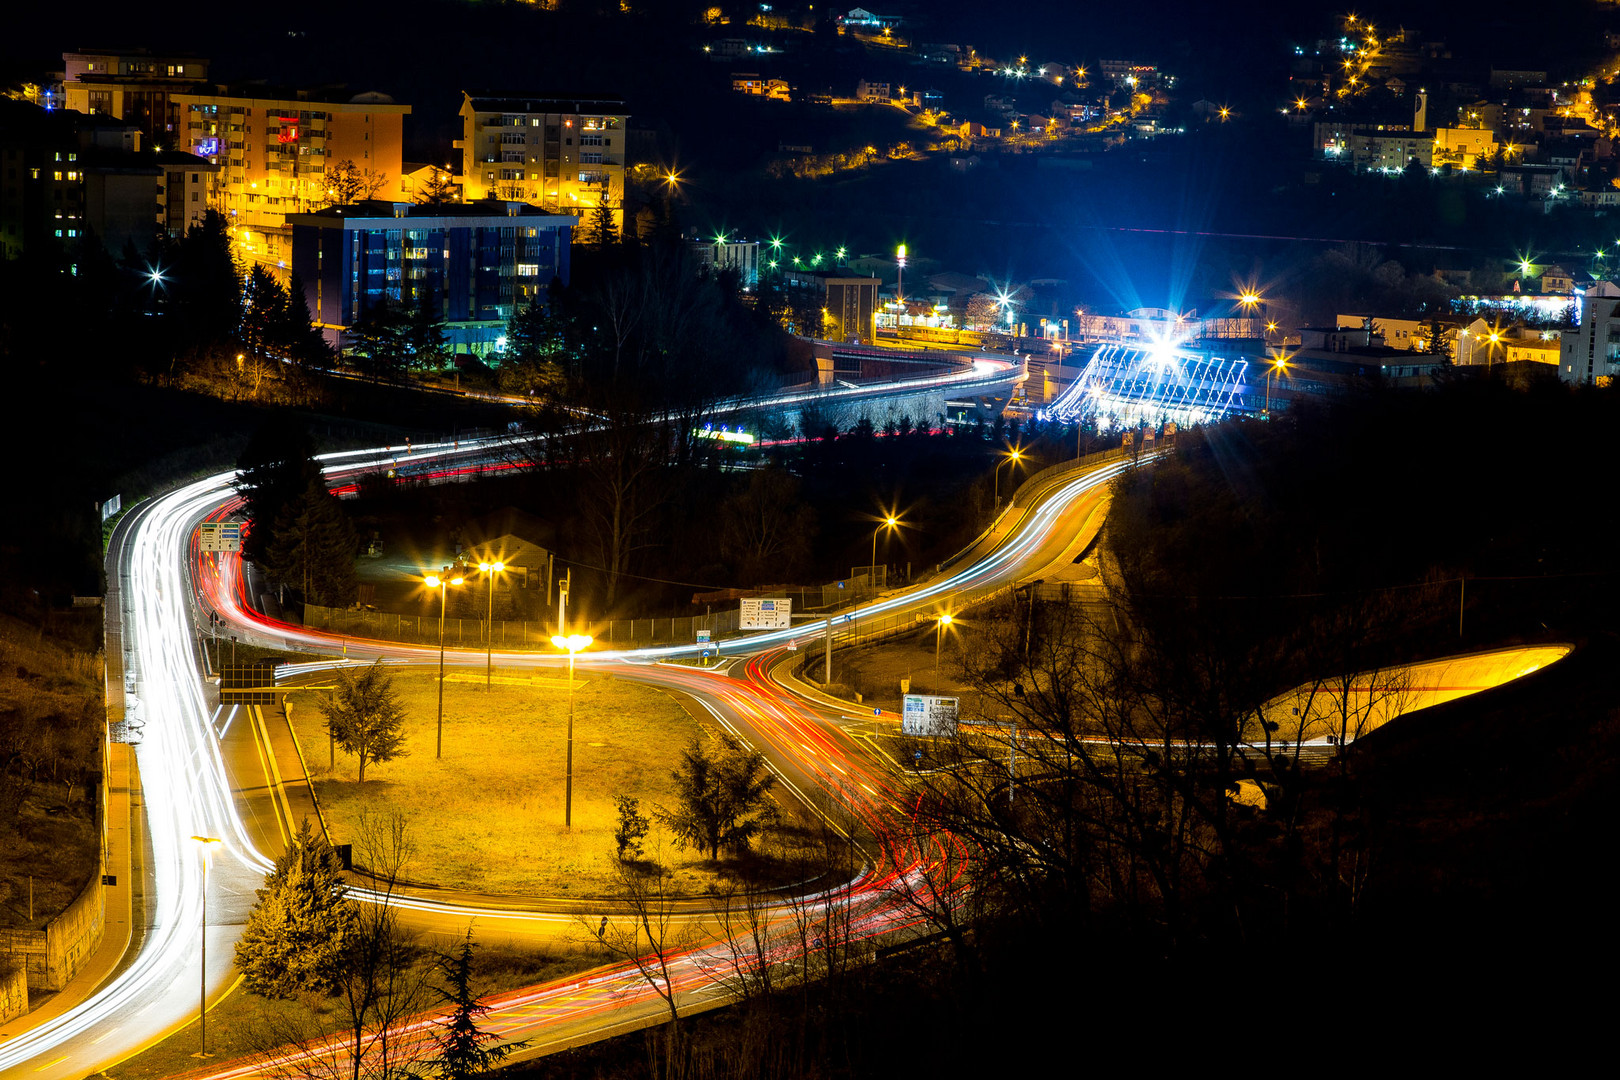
{"x": 65, "y": 176}
{"x": 1591, "y": 352}
{"x": 739, "y": 255}
{"x": 477, "y": 262}
{"x": 278, "y": 152}
{"x": 135, "y": 86}
{"x": 565, "y": 155}
{"x": 851, "y": 309}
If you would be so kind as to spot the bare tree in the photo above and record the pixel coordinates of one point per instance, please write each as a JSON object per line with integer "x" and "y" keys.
{"x": 347, "y": 183}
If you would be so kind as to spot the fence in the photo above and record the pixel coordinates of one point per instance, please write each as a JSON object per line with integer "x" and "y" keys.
{"x": 511, "y": 634}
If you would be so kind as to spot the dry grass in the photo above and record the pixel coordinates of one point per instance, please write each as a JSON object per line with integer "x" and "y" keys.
{"x": 489, "y": 816}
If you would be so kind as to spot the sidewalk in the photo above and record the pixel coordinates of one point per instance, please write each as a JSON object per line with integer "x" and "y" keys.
{"x": 123, "y": 800}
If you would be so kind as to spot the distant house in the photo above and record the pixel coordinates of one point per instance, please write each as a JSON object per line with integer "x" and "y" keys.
{"x": 1555, "y": 279}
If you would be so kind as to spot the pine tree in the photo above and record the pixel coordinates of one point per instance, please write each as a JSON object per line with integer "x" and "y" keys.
{"x": 425, "y": 336}
{"x": 312, "y": 548}
{"x": 275, "y": 469}
{"x": 464, "y": 1048}
{"x": 723, "y": 798}
{"x": 604, "y": 231}
{"x": 298, "y": 932}
{"x": 364, "y": 716}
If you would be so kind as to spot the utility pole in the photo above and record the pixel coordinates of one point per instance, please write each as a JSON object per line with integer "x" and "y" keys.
{"x": 827, "y": 676}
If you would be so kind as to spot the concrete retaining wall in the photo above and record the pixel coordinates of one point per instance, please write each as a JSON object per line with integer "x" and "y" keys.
{"x": 13, "y": 991}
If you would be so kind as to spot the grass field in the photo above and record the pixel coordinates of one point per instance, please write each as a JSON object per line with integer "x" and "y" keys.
{"x": 488, "y": 817}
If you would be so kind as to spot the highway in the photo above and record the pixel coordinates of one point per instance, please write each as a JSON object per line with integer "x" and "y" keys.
{"x": 202, "y": 775}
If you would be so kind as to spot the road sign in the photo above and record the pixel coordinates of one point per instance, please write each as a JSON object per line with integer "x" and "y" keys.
{"x": 703, "y": 637}
{"x": 927, "y": 715}
{"x": 761, "y": 613}
{"x": 876, "y": 711}
{"x": 220, "y": 536}
{"x": 711, "y": 652}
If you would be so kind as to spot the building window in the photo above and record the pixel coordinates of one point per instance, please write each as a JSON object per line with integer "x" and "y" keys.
{"x": 528, "y": 270}
{"x": 590, "y": 159}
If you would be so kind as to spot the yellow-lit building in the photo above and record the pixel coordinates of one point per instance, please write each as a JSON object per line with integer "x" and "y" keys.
{"x": 277, "y": 152}
{"x": 135, "y": 86}
{"x": 564, "y": 154}
{"x": 1467, "y": 148}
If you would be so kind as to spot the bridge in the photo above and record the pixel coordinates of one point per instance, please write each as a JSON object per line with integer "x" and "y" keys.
{"x": 1124, "y": 384}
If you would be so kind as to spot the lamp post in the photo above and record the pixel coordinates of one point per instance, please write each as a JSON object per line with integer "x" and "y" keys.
{"x": 939, "y": 630}
{"x": 204, "y": 843}
{"x": 573, "y": 643}
{"x": 490, "y": 569}
{"x": 441, "y": 581}
{"x": 900, "y": 279}
{"x": 1012, "y": 455}
{"x": 1280, "y": 365}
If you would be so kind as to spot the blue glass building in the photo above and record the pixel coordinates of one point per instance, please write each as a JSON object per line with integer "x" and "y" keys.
{"x": 478, "y": 262}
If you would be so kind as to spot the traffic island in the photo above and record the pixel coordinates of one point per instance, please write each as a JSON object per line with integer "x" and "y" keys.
{"x": 487, "y": 817}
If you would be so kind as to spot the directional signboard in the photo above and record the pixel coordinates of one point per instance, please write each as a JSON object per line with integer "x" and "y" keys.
{"x": 925, "y": 714}
{"x": 221, "y": 535}
{"x": 760, "y": 613}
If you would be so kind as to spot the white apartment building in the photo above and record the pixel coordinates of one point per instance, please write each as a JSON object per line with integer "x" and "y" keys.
{"x": 1591, "y": 353}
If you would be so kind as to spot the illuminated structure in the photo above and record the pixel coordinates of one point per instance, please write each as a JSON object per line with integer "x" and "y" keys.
{"x": 277, "y": 152}
{"x": 1591, "y": 353}
{"x": 851, "y": 308}
{"x": 478, "y": 262}
{"x": 725, "y": 253}
{"x": 135, "y": 86}
{"x": 1123, "y": 385}
{"x": 564, "y": 154}
{"x": 69, "y": 176}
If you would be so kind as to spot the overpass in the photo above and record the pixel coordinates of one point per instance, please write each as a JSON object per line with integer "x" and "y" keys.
{"x": 1123, "y": 384}
{"x": 882, "y": 384}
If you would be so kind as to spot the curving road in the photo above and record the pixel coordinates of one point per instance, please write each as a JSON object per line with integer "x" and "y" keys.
{"x": 203, "y": 771}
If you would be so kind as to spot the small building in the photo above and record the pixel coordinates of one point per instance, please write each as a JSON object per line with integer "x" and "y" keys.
{"x": 851, "y": 309}
{"x": 866, "y": 90}
{"x": 739, "y": 255}
{"x": 479, "y": 262}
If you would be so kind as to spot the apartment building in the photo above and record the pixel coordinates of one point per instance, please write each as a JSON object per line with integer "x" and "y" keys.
{"x": 65, "y": 176}
{"x": 276, "y": 151}
{"x": 566, "y": 155}
{"x": 135, "y": 86}
{"x": 478, "y": 261}
{"x": 1591, "y": 352}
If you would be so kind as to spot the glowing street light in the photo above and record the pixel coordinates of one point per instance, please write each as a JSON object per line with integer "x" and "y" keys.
{"x": 900, "y": 278}
{"x": 205, "y": 845}
{"x": 490, "y": 569}
{"x": 444, "y": 578}
{"x": 573, "y": 643}
{"x": 939, "y": 630}
{"x": 889, "y": 522}
{"x": 776, "y": 243}
{"x": 1013, "y": 455}
{"x": 1280, "y": 366}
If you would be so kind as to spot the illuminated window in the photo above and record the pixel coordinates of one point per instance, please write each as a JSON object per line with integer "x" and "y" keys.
{"x": 528, "y": 270}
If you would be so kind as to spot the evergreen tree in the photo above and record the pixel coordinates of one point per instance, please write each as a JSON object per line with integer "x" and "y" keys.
{"x": 464, "y": 1048}
{"x": 297, "y": 330}
{"x": 378, "y": 341}
{"x": 300, "y": 929}
{"x": 604, "y": 231}
{"x": 724, "y": 798}
{"x": 535, "y": 350}
{"x": 424, "y": 332}
{"x": 364, "y": 716}
{"x": 206, "y": 284}
{"x": 440, "y": 190}
{"x": 312, "y": 548}
{"x": 264, "y": 313}
{"x": 275, "y": 470}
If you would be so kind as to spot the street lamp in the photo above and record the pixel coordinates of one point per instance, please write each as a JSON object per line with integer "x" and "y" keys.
{"x": 1279, "y": 365}
{"x": 440, "y": 581}
{"x": 939, "y": 629}
{"x": 900, "y": 275}
{"x": 888, "y": 522}
{"x": 204, "y": 843}
{"x": 1012, "y": 455}
{"x": 573, "y": 643}
{"x": 490, "y": 569}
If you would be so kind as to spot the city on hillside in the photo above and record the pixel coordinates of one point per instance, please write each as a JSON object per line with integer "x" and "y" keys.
{"x": 690, "y": 538}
